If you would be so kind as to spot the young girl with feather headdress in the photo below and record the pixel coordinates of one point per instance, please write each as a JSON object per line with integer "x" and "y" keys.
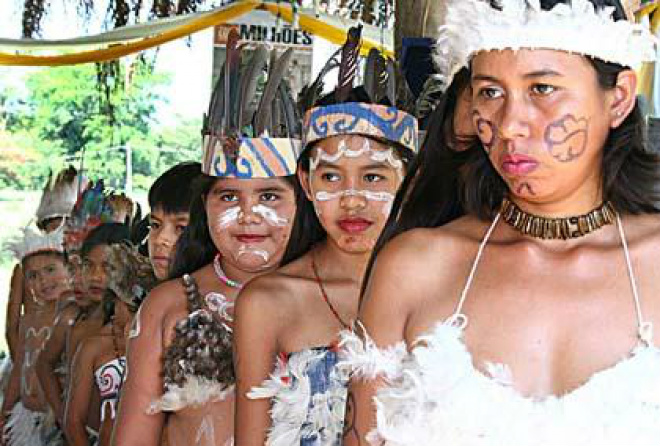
{"x": 289, "y": 390}
{"x": 26, "y": 418}
{"x": 180, "y": 384}
{"x": 529, "y": 321}
{"x": 56, "y": 204}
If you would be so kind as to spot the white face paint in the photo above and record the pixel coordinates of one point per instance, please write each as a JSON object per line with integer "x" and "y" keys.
{"x": 229, "y": 217}
{"x": 206, "y": 433}
{"x": 380, "y": 156}
{"x": 270, "y": 215}
{"x": 384, "y": 197}
{"x": 219, "y": 304}
{"x": 250, "y": 250}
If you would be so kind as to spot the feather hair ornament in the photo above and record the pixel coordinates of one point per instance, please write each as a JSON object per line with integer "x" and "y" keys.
{"x": 31, "y": 242}
{"x": 382, "y": 117}
{"x": 251, "y": 132}
{"x": 94, "y": 207}
{"x": 60, "y": 194}
{"x": 348, "y": 66}
{"x": 130, "y": 275}
{"x": 578, "y": 27}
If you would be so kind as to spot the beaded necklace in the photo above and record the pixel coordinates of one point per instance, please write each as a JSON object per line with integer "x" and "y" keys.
{"x": 325, "y": 295}
{"x": 222, "y": 276}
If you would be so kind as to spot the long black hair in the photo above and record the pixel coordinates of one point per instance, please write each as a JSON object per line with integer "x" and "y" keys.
{"x": 307, "y": 230}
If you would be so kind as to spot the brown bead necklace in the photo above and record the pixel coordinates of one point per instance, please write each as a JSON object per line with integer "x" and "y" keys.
{"x": 557, "y": 228}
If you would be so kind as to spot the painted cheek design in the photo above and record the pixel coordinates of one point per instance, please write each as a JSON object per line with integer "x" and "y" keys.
{"x": 229, "y": 217}
{"x": 270, "y": 215}
{"x": 486, "y": 131}
{"x": 566, "y": 138}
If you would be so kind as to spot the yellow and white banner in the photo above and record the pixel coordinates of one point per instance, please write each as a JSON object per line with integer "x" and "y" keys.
{"x": 132, "y": 39}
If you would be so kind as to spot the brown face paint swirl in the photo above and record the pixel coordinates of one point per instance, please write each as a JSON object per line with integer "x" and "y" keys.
{"x": 566, "y": 138}
{"x": 525, "y": 187}
{"x": 486, "y": 131}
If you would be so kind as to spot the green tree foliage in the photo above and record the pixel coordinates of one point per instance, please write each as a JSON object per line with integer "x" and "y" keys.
{"x": 64, "y": 115}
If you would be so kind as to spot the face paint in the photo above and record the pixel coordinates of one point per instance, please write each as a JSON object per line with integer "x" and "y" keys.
{"x": 270, "y": 215}
{"x": 384, "y": 197}
{"x": 229, "y": 217}
{"x": 219, "y": 304}
{"x": 206, "y": 432}
{"x": 379, "y": 156}
{"x": 249, "y": 250}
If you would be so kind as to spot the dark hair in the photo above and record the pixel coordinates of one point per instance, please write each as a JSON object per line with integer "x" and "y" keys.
{"x": 195, "y": 247}
{"x": 108, "y": 306}
{"x": 105, "y": 234}
{"x": 307, "y": 229}
{"x": 172, "y": 192}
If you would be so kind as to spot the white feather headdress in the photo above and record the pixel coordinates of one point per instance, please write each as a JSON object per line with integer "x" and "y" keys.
{"x": 576, "y": 27}
{"x": 59, "y": 195}
{"x": 32, "y": 241}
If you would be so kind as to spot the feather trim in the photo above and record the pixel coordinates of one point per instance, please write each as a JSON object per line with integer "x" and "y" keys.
{"x": 441, "y": 398}
{"x": 195, "y": 392}
{"x": 297, "y": 412}
{"x": 363, "y": 359}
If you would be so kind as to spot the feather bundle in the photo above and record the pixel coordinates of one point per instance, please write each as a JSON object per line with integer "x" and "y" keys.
{"x": 348, "y": 66}
{"x": 240, "y": 108}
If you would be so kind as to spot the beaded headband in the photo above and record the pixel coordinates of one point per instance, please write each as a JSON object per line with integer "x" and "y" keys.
{"x": 577, "y": 27}
{"x": 255, "y": 157}
{"x": 381, "y": 122}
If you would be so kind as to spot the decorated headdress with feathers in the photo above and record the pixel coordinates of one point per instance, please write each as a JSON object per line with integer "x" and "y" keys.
{"x": 130, "y": 276}
{"x": 251, "y": 132}
{"x": 32, "y": 242}
{"x": 383, "y": 118}
{"x": 60, "y": 194}
{"x": 96, "y": 206}
{"x": 577, "y": 27}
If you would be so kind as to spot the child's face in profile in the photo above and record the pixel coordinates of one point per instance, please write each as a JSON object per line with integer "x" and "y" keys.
{"x": 164, "y": 231}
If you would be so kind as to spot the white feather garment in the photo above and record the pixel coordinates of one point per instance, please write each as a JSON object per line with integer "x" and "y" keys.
{"x": 473, "y": 25}
{"x": 28, "y": 428}
{"x": 363, "y": 359}
{"x": 296, "y": 413}
{"x": 441, "y": 399}
{"x": 196, "y": 392}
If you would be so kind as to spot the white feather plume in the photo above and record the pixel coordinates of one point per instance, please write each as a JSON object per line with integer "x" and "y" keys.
{"x": 360, "y": 357}
{"x": 577, "y": 27}
{"x": 31, "y": 242}
{"x": 195, "y": 392}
